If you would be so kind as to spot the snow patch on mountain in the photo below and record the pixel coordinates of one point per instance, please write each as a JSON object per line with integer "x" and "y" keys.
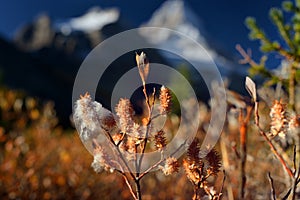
{"x": 95, "y": 19}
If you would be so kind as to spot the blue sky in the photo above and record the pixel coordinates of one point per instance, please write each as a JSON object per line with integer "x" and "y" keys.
{"x": 222, "y": 20}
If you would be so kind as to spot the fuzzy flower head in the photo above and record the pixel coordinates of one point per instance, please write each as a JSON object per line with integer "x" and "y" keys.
{"x": 199, "y": 169}
{"x": 193, "y": 171}
{"x": 279, "y": 121}
{"x": 160, "y": 140}
{"x": 165, "y": 99}
{"x": 102, "y": 161}
{"x": 125, "y": 113}
{"x": 171, "y": 166}
{"x": 294, "y": 124}
{"x": 91, "y": 118}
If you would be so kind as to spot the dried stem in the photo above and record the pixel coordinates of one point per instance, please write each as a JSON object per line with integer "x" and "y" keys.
{"x": 222, "y": 186}
{"x": 150, "y": 108}
{"x": 295, "y": 158}
{"x": 226, "y": 166}
{"x": 243, "y": 154}
{"x": 143, "y": 66}
{"x": 160, "y": 161}
{"x": 292, "y": 97}
{"x": 266, "y": 138}
{"x": 243, "y": 148}
{"x": 273, "y": 195}
{"x": 128, "y": 185}
{"x": 295, "y": 183}
{"x": 296, "y": 176}
{"x": 150, "y": 168}
{"x": 196, "y": 195}
{"x": 138, "y": 189}
{"x": 120, "y": 155}
{"x": 278, "y": 155}
{"x": 246, "y": 56}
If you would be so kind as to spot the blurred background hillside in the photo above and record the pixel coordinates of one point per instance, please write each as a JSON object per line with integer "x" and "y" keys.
{"x": 42, "y": 44}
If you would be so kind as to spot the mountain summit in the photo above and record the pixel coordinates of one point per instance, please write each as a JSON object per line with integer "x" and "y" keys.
{"x": 178, "y": 16}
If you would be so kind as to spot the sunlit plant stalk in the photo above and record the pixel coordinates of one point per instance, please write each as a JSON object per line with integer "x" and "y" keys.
{"x": 126, "y": 138}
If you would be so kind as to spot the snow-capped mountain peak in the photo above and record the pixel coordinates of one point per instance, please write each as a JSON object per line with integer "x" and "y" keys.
{"x": 178, "y": 16}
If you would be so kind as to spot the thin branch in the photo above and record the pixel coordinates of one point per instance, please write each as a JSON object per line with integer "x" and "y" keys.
{"x": 286, "y": 196}
{"x": 243, "y": 154}
{"x": 246, "y": 56}
{"x": 273, "y": 194}
{"x": 226, "y": 165}
{"x": 274, "y": 150}
{"x": 129, "y": 186}
{"x": 294, "y": 183}
{"x": 150, "y": 109}
{"x": 150, "y": 168}
{"x": 122, "y": 137}
{"x": 243, "y": 148}
{"x": 295, "y": 158}
{"x": 160, "y": 161}
{"x": 120, "y": 155}
{"x": 222, "y": 186}
{"x": 138, "y": 189}
{"x": 292, "y": 91}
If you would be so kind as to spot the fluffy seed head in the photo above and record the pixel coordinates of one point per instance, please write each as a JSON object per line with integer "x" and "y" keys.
{"x": 118, "y": 137}
{"x": 90, "y": 118}
{"x": 279, "y": 122}
{"x": 125, "y": 113}
{"x": 192, "y": 171}
{"x": 165, "y": 100}
{"x": 171, "y": 166}
{"x": 101, "y": 160}
{"x": 294, "y": 124}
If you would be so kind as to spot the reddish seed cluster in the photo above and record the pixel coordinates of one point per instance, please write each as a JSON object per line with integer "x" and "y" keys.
{"x": 125, "y": 113}
{"x": 160, "y": 140}
{"x": 198, "y": 170}
{"x": 165, "y": 100}
{"x": 279, "y": 121}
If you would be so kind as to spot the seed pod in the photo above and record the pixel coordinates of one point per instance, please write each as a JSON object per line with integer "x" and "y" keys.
{"x": 279, "y": 122}
{"x": 160, "y": 140}
{"x": 165, "y": 100}
{"x": 171, "y": 166}
{"x": 125, "y": 113}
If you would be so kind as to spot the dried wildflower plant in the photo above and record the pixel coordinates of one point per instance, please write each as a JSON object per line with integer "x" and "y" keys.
{"x": 119, "y": 142}
{"x": 199, "y": 170}
{"x": 282, "y": 124}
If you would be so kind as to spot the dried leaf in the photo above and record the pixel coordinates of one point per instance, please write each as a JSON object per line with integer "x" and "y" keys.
{"x": 251, "y": 88}
{"x": 143, "y": 66}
